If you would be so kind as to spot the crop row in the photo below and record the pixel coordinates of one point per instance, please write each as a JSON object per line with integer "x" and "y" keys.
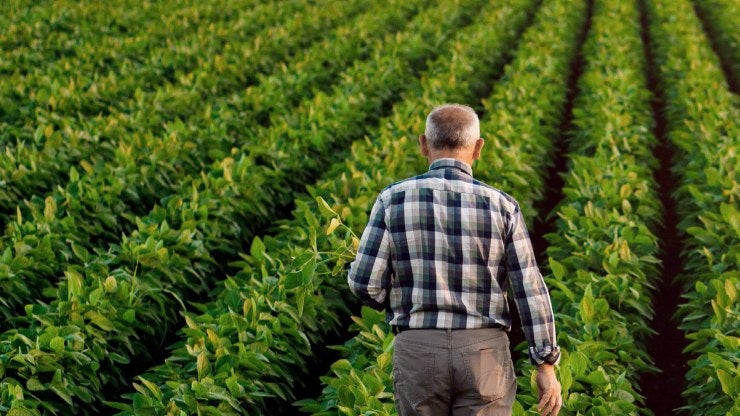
{"x": 99, "y": 37}
{"x": 35, "y": 168}
{"x": 69, "y": 91}
{"x": 124, "y": 299}
{"x": 602, "y": 254}
{"x": 703, "y": 126}
{"x": 290, "y": 301}
{"x": 721, "y": 21}
{"x": 523, "y": 115}
{"x": 91, "y": 82}
{"x": 95, "y": 205}
{"x": 99, "y": 205}
{"x": 56, "y": 33}
{"x": 312, "y": 70}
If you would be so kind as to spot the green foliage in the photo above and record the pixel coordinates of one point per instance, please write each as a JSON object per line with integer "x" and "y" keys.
{"x": 525, "y": 110}
{"x": 216, "y": 212}
{"x": 721, "y": 20}
{"x": 144, "y": 145}
{"x": 316, "y": 297}
{"x": 361, "y": 383}
{"x": 703, "y": 124}
{"x": 67, "y": 114}
{"x": 364, "y": 365}
{"x": 106, "y": 191}
{"x": 602, "y": 254}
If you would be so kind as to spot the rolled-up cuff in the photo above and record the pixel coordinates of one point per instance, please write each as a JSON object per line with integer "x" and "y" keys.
{"x": 547, "y": 354}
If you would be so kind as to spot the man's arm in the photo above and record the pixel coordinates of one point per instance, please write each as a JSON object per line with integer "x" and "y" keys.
{"x": 369, "y": 274}
{"x": 530, "y": 294}
{"x": 535, "y": 310}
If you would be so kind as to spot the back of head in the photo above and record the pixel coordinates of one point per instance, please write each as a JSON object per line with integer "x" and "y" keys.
{"x": 452, "y": 126}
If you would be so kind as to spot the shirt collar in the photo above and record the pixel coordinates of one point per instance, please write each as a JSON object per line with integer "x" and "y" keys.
{"x": 448, "y": 162}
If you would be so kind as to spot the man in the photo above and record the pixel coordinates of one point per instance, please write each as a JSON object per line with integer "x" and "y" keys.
{"x": 438, "y": 254}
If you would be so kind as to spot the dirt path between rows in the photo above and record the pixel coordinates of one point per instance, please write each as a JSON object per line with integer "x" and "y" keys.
{"x": 663, "y": 390}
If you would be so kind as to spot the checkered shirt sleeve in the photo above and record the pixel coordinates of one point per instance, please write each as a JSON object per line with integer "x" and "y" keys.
{"x": 370, "y": 273}
{"x": 530, "y": 294}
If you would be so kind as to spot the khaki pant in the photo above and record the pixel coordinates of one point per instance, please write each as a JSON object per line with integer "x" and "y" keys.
{"x": 440, "y": 372}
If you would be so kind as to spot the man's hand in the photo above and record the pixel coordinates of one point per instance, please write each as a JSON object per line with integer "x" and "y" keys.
{"x": 549, "y": 391}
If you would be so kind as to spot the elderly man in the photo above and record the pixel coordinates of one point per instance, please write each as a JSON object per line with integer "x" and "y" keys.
{"x": 438, "y": 254}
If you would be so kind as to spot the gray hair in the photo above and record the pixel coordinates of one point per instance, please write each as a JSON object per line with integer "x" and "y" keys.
{"x": 452, "y": 126}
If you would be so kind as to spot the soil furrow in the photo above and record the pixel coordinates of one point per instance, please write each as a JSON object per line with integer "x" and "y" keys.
{"x": 663, "y": 390}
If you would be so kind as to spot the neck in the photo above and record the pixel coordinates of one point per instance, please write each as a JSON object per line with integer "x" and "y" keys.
{"x": 466, "y": 154}
{"x": 457, "y": 155}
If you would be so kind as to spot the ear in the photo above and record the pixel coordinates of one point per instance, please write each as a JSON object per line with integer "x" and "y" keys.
{"x": 424, "y": 145}
{"x": 476, "y": 150}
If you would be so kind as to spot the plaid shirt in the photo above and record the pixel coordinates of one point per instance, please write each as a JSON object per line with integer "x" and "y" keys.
{"x": 439, "y": 251}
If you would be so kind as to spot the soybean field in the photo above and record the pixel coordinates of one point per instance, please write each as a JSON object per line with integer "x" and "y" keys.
{"x": 183, "y": 184}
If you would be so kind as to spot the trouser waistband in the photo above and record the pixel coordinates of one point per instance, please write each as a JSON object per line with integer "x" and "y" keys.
{"x": 451, "y": 338}
{"x": 397, "y": 329}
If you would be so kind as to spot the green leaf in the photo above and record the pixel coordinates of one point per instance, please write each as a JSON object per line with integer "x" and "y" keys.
{"x": 300, "y": 301}
{"x": 345, "y": 396}
{"x": 384, "y": 360}
{"x": 566, "y": 380}
{"x": 38, "y": 134}
{"x": 33, "y": 384}
{"x": 308, "y": 271}
{"x": 118, "y": 358}
{"x": 94, "y": 296}
{"x": 258, "y": 249}
{"x": 597, "y": 378}
{"x": 725, "y": 379}
{"x": 719, "y": 362}
{"x": 232, "y": 383}
{"x": 563, "y": 288}
{"x": 18, "y": 411}
{"x": 74, "y": 176}
{"x": 100, "y": 320}
{"x": 293, "y": 280}
{"x": 74, "y": 284}
{"x": 730, "y": 290}
{"x": 62, "y": 392}
{"x": 333, "y": 225}
{"x": 578, "y": 363}
{"x": 110, "y": 284}
{"x": 624, "y": 395}
{"x": 731, "y": 215}
{"x": 587, "y": 305}
{"x": 119, "y": 406}
{"x": 79, "y": 252}
{"x": 558, "y": 270}
{"x": 325, "y": 209}
{"x": 302, "y": 259}
{"x": 57, "y": 345}
{"x": 129, "y": 315}
{"x": 50, "y": 208}
{"x": 152, "y": 388}
{"x": 203, "y": 366}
